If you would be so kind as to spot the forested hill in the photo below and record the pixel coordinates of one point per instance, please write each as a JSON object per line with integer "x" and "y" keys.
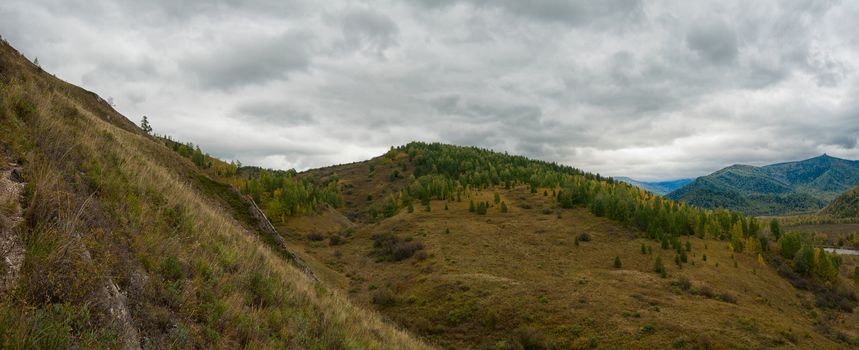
{"x": 844, "y": 206}
{"x": 785, "y": 188}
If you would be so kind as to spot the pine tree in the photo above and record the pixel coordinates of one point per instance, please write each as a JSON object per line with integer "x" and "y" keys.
{"x": 657, "y": 265}
{"x": 643, "y": 249}
{"x": 471, "y": 207}
{"x": 775, "y": 229}
{"x": 617, "y": 263}
{"x": 688, "y": 246}
{"x": 503, "y": 207}
{"x": 144, "y": 124}
{"x": 497, "y": 198}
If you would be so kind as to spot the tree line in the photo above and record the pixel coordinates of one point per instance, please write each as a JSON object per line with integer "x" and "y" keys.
{"x": 280, "y": 194}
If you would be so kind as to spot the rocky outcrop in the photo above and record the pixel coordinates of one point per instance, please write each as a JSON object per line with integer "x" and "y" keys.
{"x": 11, "y": 246}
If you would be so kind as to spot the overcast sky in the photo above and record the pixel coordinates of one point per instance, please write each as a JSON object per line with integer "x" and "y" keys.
{"x": 651, "y": 90}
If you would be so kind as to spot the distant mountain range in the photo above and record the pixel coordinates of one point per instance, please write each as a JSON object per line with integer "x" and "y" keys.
{"x": 660, "y": 187}
{"x": 785, "y": 188}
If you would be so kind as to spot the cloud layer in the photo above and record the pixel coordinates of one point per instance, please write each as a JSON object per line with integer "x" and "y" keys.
{"x": 651, "y": 90}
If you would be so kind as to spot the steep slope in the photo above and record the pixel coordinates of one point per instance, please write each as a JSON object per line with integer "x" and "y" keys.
{"x": 659, "y": 187}
{"x": 844, "y": 206}
{"x": 778, "y": 189}
{"x": 126, "y": 244}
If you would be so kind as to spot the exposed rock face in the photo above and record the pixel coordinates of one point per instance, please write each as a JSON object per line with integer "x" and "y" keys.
{"x": 11, "y": 247}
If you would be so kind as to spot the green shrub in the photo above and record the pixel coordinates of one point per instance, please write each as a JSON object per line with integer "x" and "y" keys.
{"x": 384, "y": 298}
{"x": 530, "y": 338}
{"x": 171, "y": 268}
{"x": 647, "y": 329}
{"x": 727, "y": 297}
{"x": 617, "y": 263}
{"x": 262, "y": 289}
{"x": 389, "y": 247}
{"x": 683, "y": 283}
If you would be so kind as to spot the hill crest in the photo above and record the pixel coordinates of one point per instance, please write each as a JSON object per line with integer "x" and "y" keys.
{"x": 803, "y": 186}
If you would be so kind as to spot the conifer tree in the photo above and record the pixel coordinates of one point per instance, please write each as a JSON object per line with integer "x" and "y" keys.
{"x": 617, "y": 263}
{"x": 144, "y": 124}
{"x": 657, "y": 265}
{"x": 775, "y": 229}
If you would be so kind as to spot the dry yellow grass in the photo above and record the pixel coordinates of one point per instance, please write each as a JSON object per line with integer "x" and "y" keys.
{"x": 493, "y": 277}
{"x": 100, "y": 163}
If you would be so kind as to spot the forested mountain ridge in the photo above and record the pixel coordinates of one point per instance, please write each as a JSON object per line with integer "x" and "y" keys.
{"x": 657, "y": 187}
{"x": 784, "y": 188}
{"x": 844, "y": 206}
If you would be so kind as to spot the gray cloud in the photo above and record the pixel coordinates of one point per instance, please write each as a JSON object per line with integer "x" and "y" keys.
{"x": 653, "y": 90}
{"x": 715, "y": 42}
{"x": 365, "y": 28}
{"x": 271, "y": 113}
{"x": 249, "y": 60}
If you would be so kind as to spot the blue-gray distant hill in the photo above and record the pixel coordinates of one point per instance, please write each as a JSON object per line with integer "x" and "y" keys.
{"x": 660, "y": 188}
{"x": 786, "y": 188}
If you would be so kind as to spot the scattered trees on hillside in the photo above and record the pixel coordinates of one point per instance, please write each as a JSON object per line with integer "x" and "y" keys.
{"x": 279, "y": 193}
{"x": 806, "y": 259}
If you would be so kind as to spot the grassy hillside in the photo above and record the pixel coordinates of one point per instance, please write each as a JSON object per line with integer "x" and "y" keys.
{"x": 786, "y": 188}
{"x": 126, "y": 244}
{"x": 661, "y": 187}
{"x": 539, "y": 275}
{"x": 844, "y": 206}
